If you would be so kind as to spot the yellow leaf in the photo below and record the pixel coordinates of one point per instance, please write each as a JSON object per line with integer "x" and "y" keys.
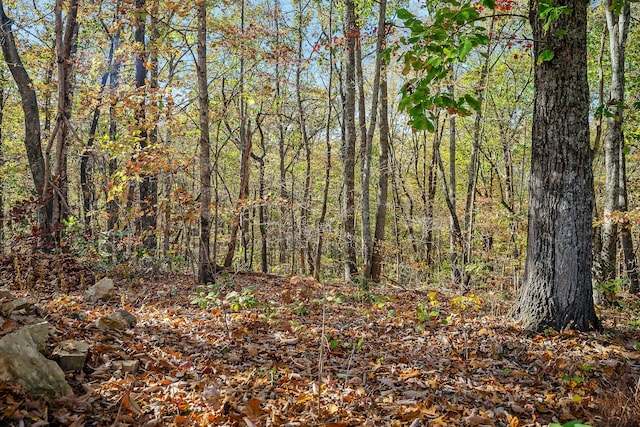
{"x": 577, "y": 398}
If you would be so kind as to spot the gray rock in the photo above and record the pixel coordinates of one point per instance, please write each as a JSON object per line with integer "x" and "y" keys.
{"x": 104, "y": 290}
{"x": 71, "y": 355}
{"x": 117, "y": 321}
{"x": 130, "y": 318}
{"x": 14, "y": 305}
{"x": 22, "y": 363}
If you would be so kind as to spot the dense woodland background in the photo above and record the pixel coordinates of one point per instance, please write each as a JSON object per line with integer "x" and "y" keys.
{"x": 399, "y": 147}
{"x": 135, "y": 100}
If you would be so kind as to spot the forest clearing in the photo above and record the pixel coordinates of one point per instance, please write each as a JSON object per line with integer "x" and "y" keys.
{"x": 319, "y": 212}
{"x": 390, "y": 357}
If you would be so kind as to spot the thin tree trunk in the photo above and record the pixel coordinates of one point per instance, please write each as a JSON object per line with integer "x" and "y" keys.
{"x": 349, "y": 145}
{"x": 282, "y": 148}
{"x": 432, "y": 180}
{"x": 148, "y": 185}
{"x": 306, "y": 258}
{"x": 616, "y": 197}
{"x": 456, "y": 236}
{"x": 383, "y": 182}
{"x": 87, "y": 158}
{"x": 31, "y": 114}
{"x": 112, "y": 202}
{"x": 66, "y": 40}
{"x": 2, "y": 102}
{"x": 262, "y": 211}
{"x": 367, "y": 244}
{"x": 365, "y": 151}
{"x": 205, "y": 270}
{"x": 245, "y": 156}
{"x": 327, "y": 141}
{"x": 629, "y": 255}
{"x": 474, "y": 163}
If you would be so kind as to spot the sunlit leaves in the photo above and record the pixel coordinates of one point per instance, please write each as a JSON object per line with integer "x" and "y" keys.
{"x": 434, "y": 45}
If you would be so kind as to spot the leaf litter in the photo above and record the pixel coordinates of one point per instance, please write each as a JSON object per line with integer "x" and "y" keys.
{"x": 390, "y": 357}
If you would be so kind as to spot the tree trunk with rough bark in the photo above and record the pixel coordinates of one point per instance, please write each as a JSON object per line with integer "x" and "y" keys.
{"x": 557, "y": 289}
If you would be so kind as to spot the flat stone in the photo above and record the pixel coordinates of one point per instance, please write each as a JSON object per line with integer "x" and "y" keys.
{"x": 128, "y": 366}
{"x": 118, "y": 320}
{"x": 104, "y": 290}
{"x": 71, "y": 355}
{"x": 21, "y": 362}
{"x": 15, "y": 305}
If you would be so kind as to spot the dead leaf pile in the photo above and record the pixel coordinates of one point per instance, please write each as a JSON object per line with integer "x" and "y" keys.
{"x": 299, "y": 353}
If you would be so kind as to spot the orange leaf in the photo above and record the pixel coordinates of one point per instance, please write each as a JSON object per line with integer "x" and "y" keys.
{"x": 130, "y": 404}
{"x": 253, "y": 409}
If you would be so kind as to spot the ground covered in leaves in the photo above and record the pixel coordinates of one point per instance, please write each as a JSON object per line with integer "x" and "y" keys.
{"x": 259, "y": 350}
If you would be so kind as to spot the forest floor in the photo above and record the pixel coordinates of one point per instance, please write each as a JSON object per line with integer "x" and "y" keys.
{"x": 387, "y": 357}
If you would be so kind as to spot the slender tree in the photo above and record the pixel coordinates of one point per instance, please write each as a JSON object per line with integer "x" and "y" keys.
{"x": 66, "y": 42}
{"x": 205, "y": 271}
{"x": 615, "y": 162}
{"x": 31, "y": 113}
{"x": 348, "y": 150}
{"x": 148, "y": 183}
{"x": 374, "y": 268}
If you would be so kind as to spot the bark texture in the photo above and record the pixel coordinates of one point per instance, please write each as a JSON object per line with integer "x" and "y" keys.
{"x": 557, "y": 289}
{"x": 205, "y": 271}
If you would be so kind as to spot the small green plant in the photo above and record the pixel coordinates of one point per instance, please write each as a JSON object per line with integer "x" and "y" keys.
{"x": 576, "y": 423}
{"x": 299, "y": 307}
{"x": 337, "y": 298}
{"x": 211, "y": 295}
{"x": 206, "y": 296}
{"x": 241, "y": 300}
{"x": 464, "y": 303}
{"x": 429, "y": 310}
{"x": 610, "y": 289}
{"x": 333, "y": 342}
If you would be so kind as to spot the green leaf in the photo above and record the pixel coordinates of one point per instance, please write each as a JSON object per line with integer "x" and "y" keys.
{"x": 473, "y": 102}
{"x": 464, "y": 49}
{"x": 421, "y": 123}
{"x": 545, "y": 56}
{"x": 491, "y": 4}
{"x": 404, "y": 14}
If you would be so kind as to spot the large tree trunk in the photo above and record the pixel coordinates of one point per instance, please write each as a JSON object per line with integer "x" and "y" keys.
{"x": 557, "y": 285}
{"x": 205, "y": 270}
{"x": 349, "y": 142}
{"x": 30, "y": 110}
